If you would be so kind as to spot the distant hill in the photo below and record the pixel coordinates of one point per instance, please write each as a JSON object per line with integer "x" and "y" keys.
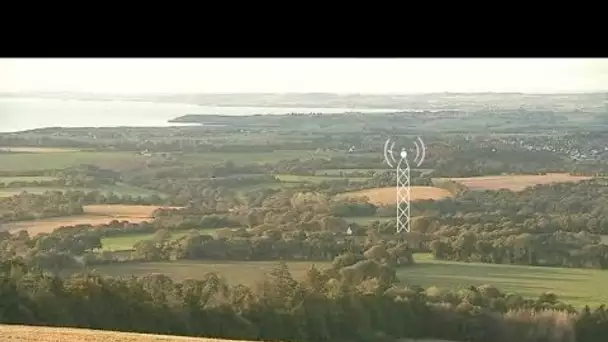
{"x": 590, "y": 102}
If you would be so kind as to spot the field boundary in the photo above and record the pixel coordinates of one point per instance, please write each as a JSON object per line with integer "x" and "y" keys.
{"x": 25, "y": 333}
{"x": 513, "y": 182}
{"x": 386, "y": 195}
{"x": 95, "y": 214}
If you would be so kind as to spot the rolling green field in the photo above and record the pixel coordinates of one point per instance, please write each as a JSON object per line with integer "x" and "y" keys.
{"x": 37, "y": 190}
{"x": 125, "y": 189}
{"x": 316, "y": 179}
{"x": 336, "y": 172}
{"x": 363, "y": 220}
{"x": 28, "y": 179}
{"x": 120, "y": 189}
{"x": 235, "y": 272}
{"x": 61, "y": 160}
{"x": 576, "y": 286}
{"x": 250, "y": 158}
{"x": 261, "y": 186}
{"x": 126, "y": 242}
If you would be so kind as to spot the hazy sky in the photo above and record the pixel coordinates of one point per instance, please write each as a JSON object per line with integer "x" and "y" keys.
{"x": 304, "y": 75}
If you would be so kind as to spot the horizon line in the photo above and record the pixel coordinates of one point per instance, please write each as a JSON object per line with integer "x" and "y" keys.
{"x": 305, "y": 93}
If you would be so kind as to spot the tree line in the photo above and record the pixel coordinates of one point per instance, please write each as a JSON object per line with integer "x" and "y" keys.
{"x": 450, "y": 155}
{"x": 549, "y": 225}
{"x": 174, "y": 234}
{"x": 27, "y": 206}
{"x": 353, "y": 300}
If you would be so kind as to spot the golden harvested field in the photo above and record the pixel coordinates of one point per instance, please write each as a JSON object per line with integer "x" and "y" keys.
{"x": 93, "y": 214}
{"x": 120, "y": 210}
{"x": 20, "y": 333}
{"x": 382, "y": 196}
{"x": 37, "y": 149}
{"x": 516, "y": 182}
{"x": 48, "y": 225}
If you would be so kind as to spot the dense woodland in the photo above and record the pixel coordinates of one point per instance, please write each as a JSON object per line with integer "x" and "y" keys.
{"x": 549, "y": 225}
{"x": 258, "y": 216}
{"x": 355, "y": 300}
{"x": 30, "y": 207}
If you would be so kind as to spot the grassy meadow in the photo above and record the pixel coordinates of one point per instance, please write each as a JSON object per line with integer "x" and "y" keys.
{"x": 28, "y": 161}
{"x": 27, "y": 179}
{"x": 235, "y": 272}
{"x": 126, "y": 242}
{"x": 265, "y": 185}
{"x": 38, "y": 190}
{"x": 37, "y": 149}
{"x": 59, "y": 160}
{"x": 316, "y": 179}
{"x": 576, "y": 286}
{"x": 241, "y": 158}
{"x": 336, "y": 172}
{"x": 118, "y": 189}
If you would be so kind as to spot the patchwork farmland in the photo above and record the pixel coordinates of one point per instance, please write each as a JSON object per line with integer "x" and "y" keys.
{"x": 93, "y": 215}
{"x": 516, "y": 182}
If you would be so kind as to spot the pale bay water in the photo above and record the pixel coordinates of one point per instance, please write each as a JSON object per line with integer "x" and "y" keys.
{"x": 18, "y": 114}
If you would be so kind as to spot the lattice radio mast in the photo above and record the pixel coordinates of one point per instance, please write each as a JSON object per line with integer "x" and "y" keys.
{"x": 403, "y": 189}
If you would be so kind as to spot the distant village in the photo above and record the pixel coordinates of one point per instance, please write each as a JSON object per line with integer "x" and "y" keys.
{"x": 577, "y": 148}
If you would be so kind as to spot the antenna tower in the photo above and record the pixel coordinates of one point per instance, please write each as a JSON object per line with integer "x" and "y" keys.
{"x": 403, "y": 193}
{"x": 402, "y": 167}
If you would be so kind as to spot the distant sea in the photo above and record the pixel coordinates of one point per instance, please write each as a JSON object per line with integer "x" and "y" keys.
{"x": 18, "y": 114}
